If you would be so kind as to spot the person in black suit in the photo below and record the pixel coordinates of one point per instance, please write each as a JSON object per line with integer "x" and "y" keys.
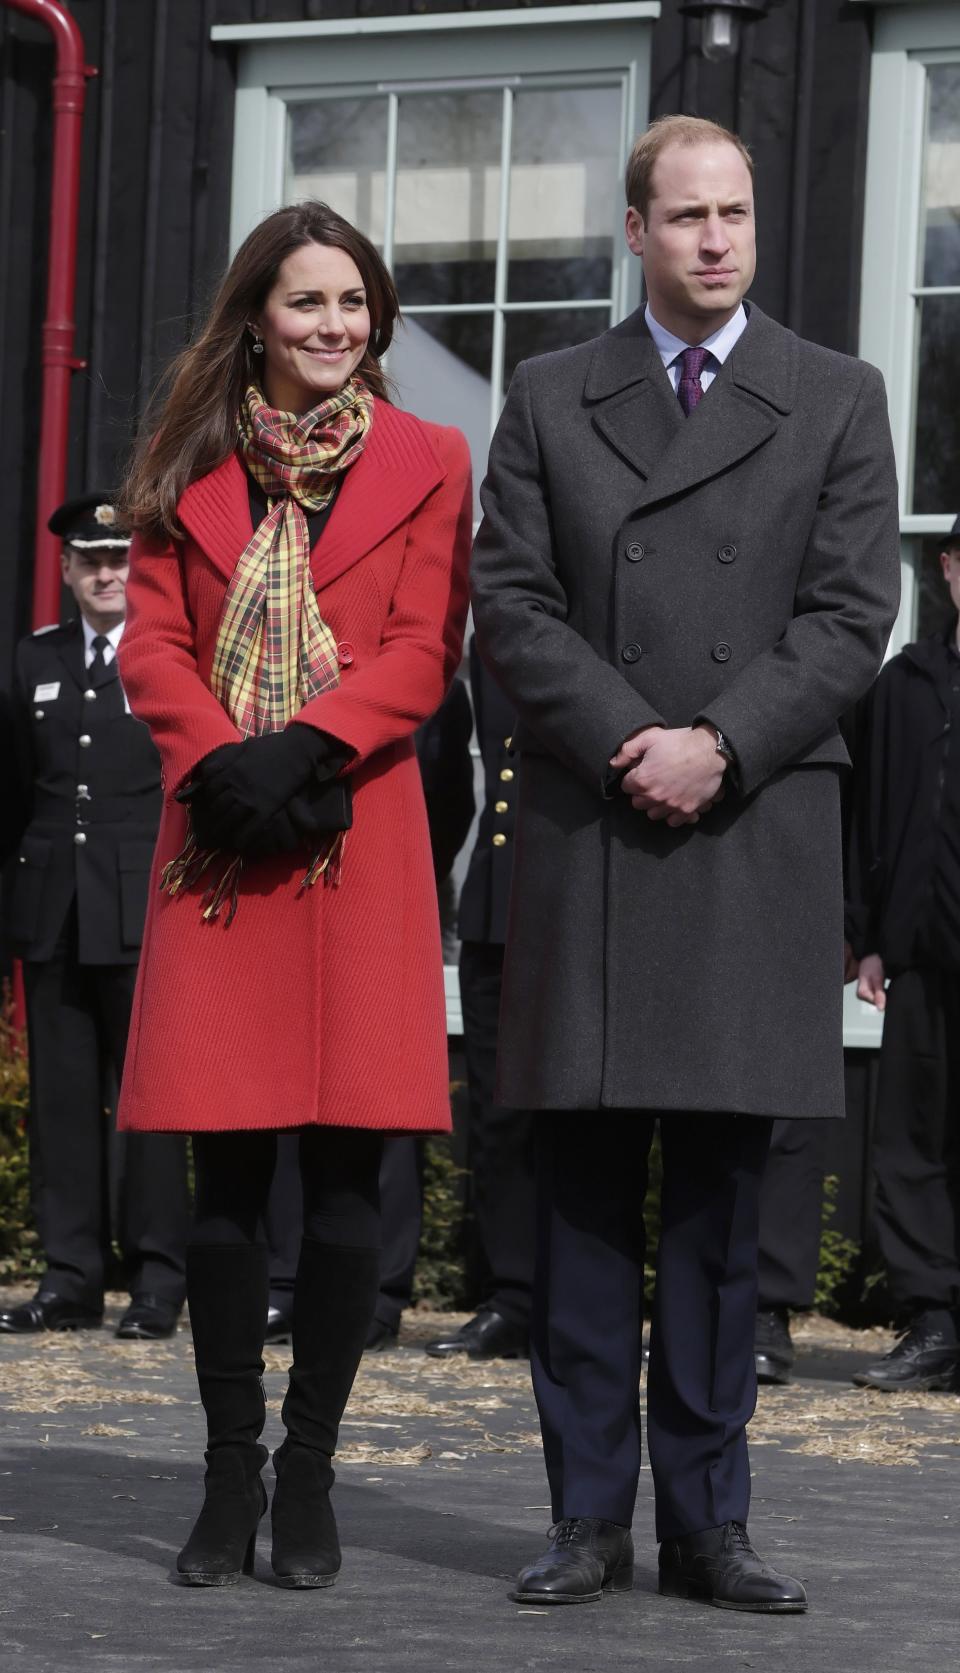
{"x": 88, "y": 798}
{"x": 500, "y": 1140}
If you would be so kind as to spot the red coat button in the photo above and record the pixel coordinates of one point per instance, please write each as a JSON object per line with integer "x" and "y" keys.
{"x": 345, "y": 654}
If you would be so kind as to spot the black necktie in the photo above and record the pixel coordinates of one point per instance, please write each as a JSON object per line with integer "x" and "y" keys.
{"x": 101, "y": 672}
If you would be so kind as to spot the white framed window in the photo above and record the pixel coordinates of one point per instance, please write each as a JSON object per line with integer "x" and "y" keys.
{"x": 910, "y": 303}
{"x": 482, "y": 152}
{"x": 910, "y": 287}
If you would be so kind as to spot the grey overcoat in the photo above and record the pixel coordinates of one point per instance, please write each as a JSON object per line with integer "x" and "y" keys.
{"x": 635, "y": 566}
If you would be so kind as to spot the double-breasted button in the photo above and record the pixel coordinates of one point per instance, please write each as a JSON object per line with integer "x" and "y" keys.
{"x": 499, "y": 840}
{"x": 634, "y": 551}
{"x": 90, "y": 695}
{"x": 631, "y": 652}
{"x": 345, "y": 654}
{"x": 506, "y": 775}
{"x": 500, "y": 807}
{"x": 84, "y": 740}
{"x": 726, "y": 554}
{"x": 79, "y": 838}
{"x": 38, "y": 714}
{"x": 721, "y": 652}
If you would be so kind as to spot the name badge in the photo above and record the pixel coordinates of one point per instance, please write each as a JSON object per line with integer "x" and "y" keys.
{"x": 47, "y": 693}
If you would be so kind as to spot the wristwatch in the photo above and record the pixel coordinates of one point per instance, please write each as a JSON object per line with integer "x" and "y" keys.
{"x": 723, "y": 748}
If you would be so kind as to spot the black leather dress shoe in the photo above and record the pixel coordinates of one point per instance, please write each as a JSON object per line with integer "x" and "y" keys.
{"x": 49, "y": 1312}
{"x": 380, "y": 1337}
{"x": 149, "y": 1318}
{"x": 279, "y": 1326}
{"x": 487, "y": 1336}
{"x": 773, "y": 1347}
{"x": 587, "y": 1557}
{"x": 927, "y": 1356}
{"x": 720, "y": 1566}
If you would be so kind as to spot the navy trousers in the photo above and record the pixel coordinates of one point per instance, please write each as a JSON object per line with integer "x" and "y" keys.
{"x": 588, "y": 1313}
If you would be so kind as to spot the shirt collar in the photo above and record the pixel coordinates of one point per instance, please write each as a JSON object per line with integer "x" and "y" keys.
{"x": 719, "y": 343}
{"x": 90, "y": 634}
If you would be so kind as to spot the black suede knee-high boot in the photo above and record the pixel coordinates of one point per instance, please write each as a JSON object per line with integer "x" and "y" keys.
{"x": 228, "y": 1293}
{"x": 333, "y": 1302}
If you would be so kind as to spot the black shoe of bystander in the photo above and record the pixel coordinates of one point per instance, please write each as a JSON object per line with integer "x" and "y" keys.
{"x": 49, "y": 1312}
{"x": 486, "y": 1336}
{"x": 926, "y": 1356}
{"x": 773, "y": 1347}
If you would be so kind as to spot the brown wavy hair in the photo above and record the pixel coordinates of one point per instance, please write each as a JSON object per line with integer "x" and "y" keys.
{"x": 191, "y": 424}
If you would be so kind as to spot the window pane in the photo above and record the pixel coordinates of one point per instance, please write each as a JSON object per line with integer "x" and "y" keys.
{"x": 441, "y": 367}
{"x": 564, "y": 190}
{"x": 336, "y": 151}
{"x": 941, "y": 185}
{"x": 936, "y": 471}
{"x": 448, "y": 196}
{"x": 529, "y": 334}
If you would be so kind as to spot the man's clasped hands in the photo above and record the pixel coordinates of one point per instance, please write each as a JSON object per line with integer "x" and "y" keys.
{"x": 673, "y": 773}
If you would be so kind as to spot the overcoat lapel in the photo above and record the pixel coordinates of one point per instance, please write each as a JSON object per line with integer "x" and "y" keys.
{"x": 396, "y": 471}
{"x": 739, "y": 413}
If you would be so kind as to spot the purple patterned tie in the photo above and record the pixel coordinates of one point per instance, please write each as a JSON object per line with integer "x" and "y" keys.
{"x": 689, "y": 389}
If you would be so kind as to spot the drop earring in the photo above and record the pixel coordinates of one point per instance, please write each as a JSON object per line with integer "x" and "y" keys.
{"x": 257, "y": 346}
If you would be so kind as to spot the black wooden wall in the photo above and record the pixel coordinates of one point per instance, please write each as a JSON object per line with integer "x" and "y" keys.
{"x": 156, "y": 183}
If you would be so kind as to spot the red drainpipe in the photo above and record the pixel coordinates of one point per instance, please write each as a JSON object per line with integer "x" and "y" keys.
{"x": 57, "y": 358}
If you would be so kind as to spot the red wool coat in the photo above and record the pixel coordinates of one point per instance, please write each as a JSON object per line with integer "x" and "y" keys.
{"x": 322, "y": 1006}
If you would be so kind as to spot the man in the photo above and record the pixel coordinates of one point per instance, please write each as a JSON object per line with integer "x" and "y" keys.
{"x": 688, "y": 568}
{"x": 500, "y": 1141}
{"x": 905, "y": 906}
{"x": 88, "y": 800}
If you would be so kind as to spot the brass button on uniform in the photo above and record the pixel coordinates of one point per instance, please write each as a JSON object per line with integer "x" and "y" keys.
{"x": 506, "y": 775}
{"x": 90, "y": 695}
{"x": 499, "y": 840}
{"x": 38, "y": 714}
{"x": 727, "y": 554}
{"x": 500, "y": 807}
{"x": 634, "y": 551}
{"x": 84, "y": 740}
{"x": 79, "y": 838}
{"x": 721, "y": 652}
{"x": 631, "y": 652}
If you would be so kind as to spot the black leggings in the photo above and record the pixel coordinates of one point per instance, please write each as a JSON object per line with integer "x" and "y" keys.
{"x": 339, "y": 1171}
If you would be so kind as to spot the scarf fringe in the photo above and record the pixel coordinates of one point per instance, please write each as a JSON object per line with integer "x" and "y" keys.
{"x": 191, "y": 863}
{"x": 327, "y": 864}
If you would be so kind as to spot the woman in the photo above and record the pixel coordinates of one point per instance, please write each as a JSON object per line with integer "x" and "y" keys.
{"x": 296, "y": 608}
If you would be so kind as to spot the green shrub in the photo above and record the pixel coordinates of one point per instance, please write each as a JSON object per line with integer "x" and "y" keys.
{"x": 440, "y": 1277}
{"x": 19, "y": 1250}
{"x": 838, "y": 1255}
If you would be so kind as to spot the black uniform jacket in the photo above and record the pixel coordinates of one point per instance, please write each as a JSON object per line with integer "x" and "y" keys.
{"x": 902, "y": 862}
{"x": 87, "y": 803}
{"x": 485, "y": 896}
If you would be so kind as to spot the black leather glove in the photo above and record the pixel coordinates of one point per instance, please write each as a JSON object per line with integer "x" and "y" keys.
{"x": 239, "y": 788}
{"x": 309, "y": 818}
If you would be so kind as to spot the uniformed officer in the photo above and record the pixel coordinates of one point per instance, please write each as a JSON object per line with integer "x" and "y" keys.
{"x": 500, "y": 1142}
{"x": 88, "y": 802}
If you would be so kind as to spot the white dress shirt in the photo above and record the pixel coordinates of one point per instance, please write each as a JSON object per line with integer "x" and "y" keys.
{"x": 720, "y": 344}
{"x": 113, "y": 639}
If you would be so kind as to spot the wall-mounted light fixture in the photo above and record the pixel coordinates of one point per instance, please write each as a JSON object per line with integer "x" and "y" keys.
{"x": 720, "y": 23}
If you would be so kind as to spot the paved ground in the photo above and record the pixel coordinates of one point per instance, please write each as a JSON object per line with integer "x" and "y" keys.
{"x": 440, "y": 1498}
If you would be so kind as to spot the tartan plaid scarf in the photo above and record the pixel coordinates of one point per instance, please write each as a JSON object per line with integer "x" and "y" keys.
{"x": 274, "y": 652}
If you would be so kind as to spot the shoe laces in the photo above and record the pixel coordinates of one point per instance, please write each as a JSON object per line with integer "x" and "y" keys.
{"x": 918, "y": 1335}
{"x": 563, "y": 1533}
{"x": 739, "y": 1535}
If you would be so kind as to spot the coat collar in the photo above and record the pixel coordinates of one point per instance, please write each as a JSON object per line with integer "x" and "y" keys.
{"x": 69, "y": 646}
{"x": 397, "y": 469}
{"x": 638, "y": 414}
